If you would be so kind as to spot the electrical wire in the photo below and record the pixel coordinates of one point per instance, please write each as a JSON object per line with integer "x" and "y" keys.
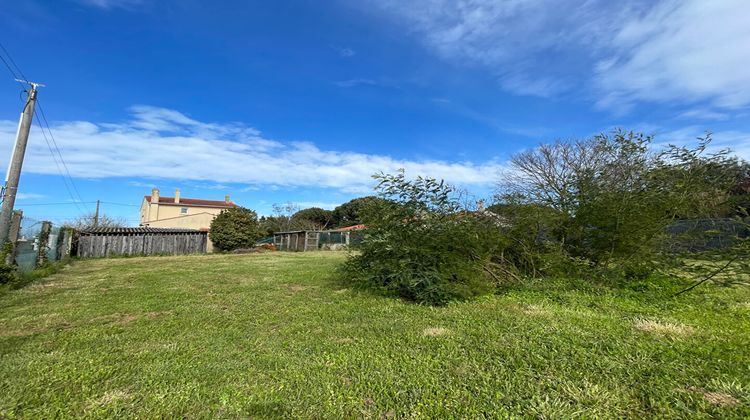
{"x": 57, "y": 164}
{"x": 15, "y": 76}
{"x": 53, "y": 147}
{"x": 120, "y": 204}
{"x": 81, "y": 202}
{"x": 54, "y": 144}
{"x": 57, "y": 204}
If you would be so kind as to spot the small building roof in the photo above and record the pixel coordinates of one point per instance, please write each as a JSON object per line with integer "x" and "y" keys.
{"x": 195, "y": 202}
{"x": 134, "y": 230}
{"x": 349, "y": 228}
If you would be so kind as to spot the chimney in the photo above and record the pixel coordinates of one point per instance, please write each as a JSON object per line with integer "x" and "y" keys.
{"x": 226, "y": 199}
{"x": 155, "y": 195}
{"x": 177, "y": 196}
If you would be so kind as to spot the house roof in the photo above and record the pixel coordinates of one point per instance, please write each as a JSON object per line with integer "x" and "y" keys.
{"x": 187, "y": 202}
{"x": 134, "y": 230}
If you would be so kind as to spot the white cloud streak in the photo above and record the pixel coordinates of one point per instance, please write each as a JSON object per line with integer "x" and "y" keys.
{"x": 688, "y": 50}
{"x": 111, "y": 4}
{"x": 617, "y": 53}
{"x": 158, "y": 143}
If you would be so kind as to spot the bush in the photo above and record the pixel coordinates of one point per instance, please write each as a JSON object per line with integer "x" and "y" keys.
{"x": 235, "y": 228}
{"x": 7, "y": 272}
{"x": 602, "y": 206}
{"x": 421, "y": 245}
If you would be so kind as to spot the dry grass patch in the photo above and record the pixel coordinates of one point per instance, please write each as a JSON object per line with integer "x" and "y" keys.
{"x": 664, "y": 328}
{"x": 534, "y": 310}
{"x": 40, "y": 287}
{"x": 714, "y": 397}
{"x": 436, "y": 331}
{"x": 110, "y": 397}
{"x": 125, "y": 319}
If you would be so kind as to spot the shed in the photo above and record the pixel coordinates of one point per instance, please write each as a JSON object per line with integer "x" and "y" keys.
{"x": 312, "y": 240}
{"x": 109, "y": 241}
{"x": 298, "y": 240}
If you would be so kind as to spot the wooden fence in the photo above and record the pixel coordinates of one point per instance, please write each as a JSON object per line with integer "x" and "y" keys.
{"x": 106, "y": 242}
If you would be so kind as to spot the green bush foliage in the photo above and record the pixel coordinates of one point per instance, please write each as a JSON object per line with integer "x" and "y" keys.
{"x": 235, "y": 228}
{"x": 421, "y": 245}
{"x": 353, "y": 212}
{"x": 601, "y": 207}
{"x": 314, "y": 218}
{"x": 7, "y": 272}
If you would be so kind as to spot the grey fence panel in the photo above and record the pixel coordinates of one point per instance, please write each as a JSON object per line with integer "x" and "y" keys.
{"x": 107, "y": 245}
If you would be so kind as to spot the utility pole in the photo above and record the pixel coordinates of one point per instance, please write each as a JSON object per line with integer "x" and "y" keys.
{"x": 16, "y": 162}
{"x": 96, "y": 214}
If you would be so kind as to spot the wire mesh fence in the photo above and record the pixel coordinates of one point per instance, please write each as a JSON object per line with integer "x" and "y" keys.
{"x": 327, "y": 240}
{"x": 39, "y": 242}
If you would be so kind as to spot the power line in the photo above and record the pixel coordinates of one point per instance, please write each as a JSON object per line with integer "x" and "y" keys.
{"x": 53, "y": 147}
{"x": 58, "y": 204}
{"x": 15, "y": 76}
{"x": 121, "y": 204}
{"x": 10, "y": 57}
{"x": 57, "y": 164}
{"x": 54, "y": 143}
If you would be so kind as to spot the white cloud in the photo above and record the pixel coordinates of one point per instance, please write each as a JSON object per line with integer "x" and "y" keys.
{"x": 319, "y": 204}
{"x": 158, "y": 143}
{"x": 111, "y": 4}
{"x": 527, "y": 44}
{"x": 690, "y": 51}
{"x": 620, "y": 53}
{"x": 29, "y": 196}
{"x": 355, "y": 82}
{"x": 344, "y": 52}
{"x": 704, "y": 114}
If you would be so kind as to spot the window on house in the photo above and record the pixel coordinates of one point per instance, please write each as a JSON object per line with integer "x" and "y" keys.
{"x": 183, "y": 210}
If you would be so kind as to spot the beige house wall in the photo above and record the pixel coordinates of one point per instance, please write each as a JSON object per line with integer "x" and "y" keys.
{"x": 157, "y": 211}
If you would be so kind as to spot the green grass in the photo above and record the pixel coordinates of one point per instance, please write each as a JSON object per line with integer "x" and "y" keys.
{"x": 273, "y": 335}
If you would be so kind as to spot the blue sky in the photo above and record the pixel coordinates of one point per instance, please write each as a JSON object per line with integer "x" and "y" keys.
{"x": 302, "y": 101}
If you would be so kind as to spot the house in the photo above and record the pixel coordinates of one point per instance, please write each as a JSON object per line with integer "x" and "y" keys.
{"x": 181, "y": 212}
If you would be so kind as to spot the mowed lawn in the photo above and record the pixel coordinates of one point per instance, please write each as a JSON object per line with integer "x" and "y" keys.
{"x": 275, "y": 335}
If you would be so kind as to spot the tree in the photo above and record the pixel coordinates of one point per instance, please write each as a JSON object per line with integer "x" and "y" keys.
{"x": 315, "y": 217}
{"x": 283, "y": 213}
{"x": 422, "y": 245}
{"x": 268, "y": 225}
{"x": 352, "y": 212}
{"x": 235, "y": 228}
{"x": 610, "y": 198}
{"x": 86, "y": 222}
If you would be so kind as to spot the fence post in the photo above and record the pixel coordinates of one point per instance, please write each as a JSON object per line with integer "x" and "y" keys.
{"x": 15, "y": 229}
{"x": 65, "y": 242}
{"x": 43, "y": 242}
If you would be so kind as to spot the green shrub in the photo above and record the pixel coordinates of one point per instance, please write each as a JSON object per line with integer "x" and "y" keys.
{"x": 601, "y": 207}
{"x": 7, "y": 272}
{"x": 234, "y": 228}
{"x": 421, "y": 245}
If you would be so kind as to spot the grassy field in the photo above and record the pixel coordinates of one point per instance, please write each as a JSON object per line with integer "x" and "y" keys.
{"x": 274, "y": 335}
